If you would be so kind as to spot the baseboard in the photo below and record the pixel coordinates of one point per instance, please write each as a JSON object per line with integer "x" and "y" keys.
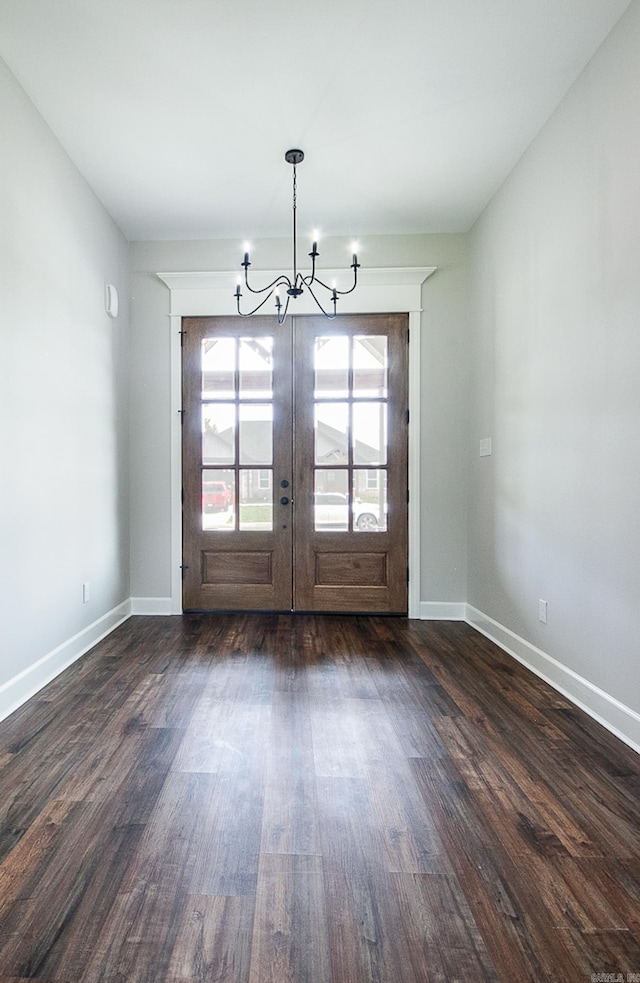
{"x": 442, "y": 611}
{"x": 27, "y": 683}
{"x": 151, "y": 605}
{"x": 621, "y": 720}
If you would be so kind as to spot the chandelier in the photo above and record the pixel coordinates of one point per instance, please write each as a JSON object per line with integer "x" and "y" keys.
{"x": 295, "y": 285}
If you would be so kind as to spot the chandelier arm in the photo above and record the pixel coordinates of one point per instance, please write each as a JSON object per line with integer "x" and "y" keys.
{"x": 281, "y": 312}
{"x": 255, "y": 309}
{"x": 334, "y": 299}
{"x": 340, "y": 293}
{"x": 311, "y": 277}
{"x": 280, "y": 281}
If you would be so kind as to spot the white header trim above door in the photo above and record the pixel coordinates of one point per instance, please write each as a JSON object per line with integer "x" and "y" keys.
{"x": 379, "y": 291}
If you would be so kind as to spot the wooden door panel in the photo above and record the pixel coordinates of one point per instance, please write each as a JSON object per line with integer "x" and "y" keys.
{"x": 350, "y": 569}
{"x": 343, "y": 561}
{"x": 238, "y": 579}
{"x": 237, "y": 534}
{"x": 249, "y": 568}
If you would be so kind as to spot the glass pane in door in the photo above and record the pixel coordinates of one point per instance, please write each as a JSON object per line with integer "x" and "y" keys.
{"x": 369, "y": 433}
{"x": 370, "y": 366}
{"x": 255, "y": 365}
{"x": 218, "y": 433}
{"x": 256, "y": 499}
{"x": 331, "y": 500}
{"x": 331, "y": 433}
{"x": 256, "y": 433}
{"x": 218, "y": 360}
{"x": 218, "y": 499}
{"x": 369, "y": 500}
{"x": 331, "y": 367}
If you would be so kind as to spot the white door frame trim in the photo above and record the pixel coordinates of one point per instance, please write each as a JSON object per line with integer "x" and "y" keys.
{"x": 380, "y": 291}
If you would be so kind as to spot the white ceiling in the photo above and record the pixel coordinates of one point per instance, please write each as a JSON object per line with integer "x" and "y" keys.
{"x": 410, "y": 112}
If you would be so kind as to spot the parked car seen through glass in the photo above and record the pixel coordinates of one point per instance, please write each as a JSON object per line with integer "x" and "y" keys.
{"x": 331, "y": 510}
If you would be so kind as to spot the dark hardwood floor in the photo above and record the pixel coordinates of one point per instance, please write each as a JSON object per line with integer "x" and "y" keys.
{"x": 304, "y": 799}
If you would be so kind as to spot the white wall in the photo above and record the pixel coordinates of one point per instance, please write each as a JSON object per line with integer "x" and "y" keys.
{"x": 554, "y": 513}
{"x": 64, "y": 413}
{"x": 444, "y": 404}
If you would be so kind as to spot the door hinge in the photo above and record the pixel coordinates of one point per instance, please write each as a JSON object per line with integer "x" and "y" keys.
{"x": 181, "y": 415}
{"x": 407, "y": 574}
{"x": 182, "y": 334}
{"x": 407, "y": 417}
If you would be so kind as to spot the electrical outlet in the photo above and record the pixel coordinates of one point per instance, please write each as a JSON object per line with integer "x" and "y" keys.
{"x": 542, "y": 611}
{"x": 85, "y": 593}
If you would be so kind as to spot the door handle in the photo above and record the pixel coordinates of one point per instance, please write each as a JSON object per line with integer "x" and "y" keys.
{"x": 284, "y": 483}
{"x": 284, "y": 500}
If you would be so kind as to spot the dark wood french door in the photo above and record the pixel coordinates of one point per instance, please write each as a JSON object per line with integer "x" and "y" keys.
{"x": 295, "y": 464}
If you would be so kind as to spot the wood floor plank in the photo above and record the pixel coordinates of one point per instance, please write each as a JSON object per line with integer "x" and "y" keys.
{"x": 290, "y": 823}
{"x": 139, "y": 932}
{"x": 227, "y": 848}
{"x": 35, "y": 773}
{"x": 213, "y": 941}
{"x": 407, "y": 830}
{"x": 21, "y": 871}
{"x": 416, "y": 732}
{"x": 81, "y": 854}
{"x": 515, "y": 925}
{"x": 77, "y": 892}
{"x": 336, "y": 751}
{"x": 537, "y": 784}
{"x": 290, "y": 939}
{"x": 551, "y": 878}
{"x": 443, "y": 939}
{"x": 243, "y": 798}
{"x": 224, "y": 736}
{"x": 619, "y": 882}
{"x": 366, "y": 940}
{"x": 28, "y": 979}
{"x": 605, "y": 955}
